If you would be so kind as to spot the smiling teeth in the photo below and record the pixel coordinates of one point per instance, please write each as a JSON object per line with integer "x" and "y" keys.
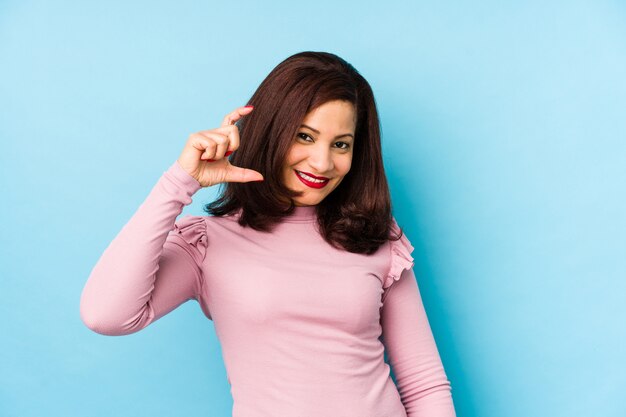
{"x": 308, "y": 178}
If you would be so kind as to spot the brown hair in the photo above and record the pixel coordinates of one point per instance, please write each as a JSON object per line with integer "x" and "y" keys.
{"x": 356, "y": 216}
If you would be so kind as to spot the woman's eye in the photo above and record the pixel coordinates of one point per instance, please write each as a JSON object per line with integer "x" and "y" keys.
{"x": 304, "y": 136}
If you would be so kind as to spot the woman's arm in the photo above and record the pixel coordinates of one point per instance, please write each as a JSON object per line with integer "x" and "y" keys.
{"x": 150, "y": 268}
{"x": 412, "y": 352}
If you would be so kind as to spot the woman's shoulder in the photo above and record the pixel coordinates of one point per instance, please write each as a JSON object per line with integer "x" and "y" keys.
{"x": 190, "y": 230}
{"x": 400, "y": 254}
{"x": 194, "y": 227}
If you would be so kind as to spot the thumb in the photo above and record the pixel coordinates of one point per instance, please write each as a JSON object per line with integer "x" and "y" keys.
{"x": 238, "y": 174}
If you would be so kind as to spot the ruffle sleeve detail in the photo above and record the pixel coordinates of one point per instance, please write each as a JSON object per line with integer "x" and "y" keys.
{"x": 401, "y": 258}
{"x": 192, "y": 229}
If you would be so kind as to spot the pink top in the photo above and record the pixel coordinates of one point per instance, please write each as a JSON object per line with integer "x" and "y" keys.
{"x": 302, "y": 325}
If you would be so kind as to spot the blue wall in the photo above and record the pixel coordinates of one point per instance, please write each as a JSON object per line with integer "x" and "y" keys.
{"x": 505, "y": 145}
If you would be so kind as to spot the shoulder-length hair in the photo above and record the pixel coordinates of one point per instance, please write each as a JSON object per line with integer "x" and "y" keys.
{"x": 356, "y": 216}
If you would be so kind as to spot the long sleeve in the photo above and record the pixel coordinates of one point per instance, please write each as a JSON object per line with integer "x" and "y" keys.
{"x": 420, "y": 377}
{"x": 153, "y": 264}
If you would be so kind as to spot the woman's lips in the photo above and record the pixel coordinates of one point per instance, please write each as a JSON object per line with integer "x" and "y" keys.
{"x": 309, "y": 183}
{"x": 313, "y": 176}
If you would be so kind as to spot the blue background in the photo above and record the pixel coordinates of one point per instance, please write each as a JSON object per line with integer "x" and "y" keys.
{"x": 504, "y": 140}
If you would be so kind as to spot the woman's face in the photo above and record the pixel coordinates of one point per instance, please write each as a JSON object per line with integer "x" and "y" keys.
{"x": 322, "y": 149}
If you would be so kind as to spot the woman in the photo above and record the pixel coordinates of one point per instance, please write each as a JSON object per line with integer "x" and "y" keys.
{"x": 300, "y": 264}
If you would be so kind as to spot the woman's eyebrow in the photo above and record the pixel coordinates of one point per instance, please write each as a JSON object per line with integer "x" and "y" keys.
{"x": 318, "y": 132}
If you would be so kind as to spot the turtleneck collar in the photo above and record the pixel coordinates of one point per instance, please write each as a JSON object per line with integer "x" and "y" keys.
{"x": 302, "y": 214}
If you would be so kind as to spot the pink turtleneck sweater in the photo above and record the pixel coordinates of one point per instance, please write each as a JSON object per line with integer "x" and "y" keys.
{"x": 303, "y": 326}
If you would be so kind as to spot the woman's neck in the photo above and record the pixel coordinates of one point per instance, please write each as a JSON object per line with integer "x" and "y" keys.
{"x": 302, "y": 214}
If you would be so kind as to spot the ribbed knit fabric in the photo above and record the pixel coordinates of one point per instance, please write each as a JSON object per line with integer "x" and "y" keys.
{"x": 303, "y": 326}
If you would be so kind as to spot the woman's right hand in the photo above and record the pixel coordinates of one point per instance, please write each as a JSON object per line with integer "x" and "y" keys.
{"x": 204, "y": 154}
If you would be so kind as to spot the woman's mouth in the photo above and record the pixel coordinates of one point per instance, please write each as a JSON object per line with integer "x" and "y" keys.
{"x": 310, "y": 181}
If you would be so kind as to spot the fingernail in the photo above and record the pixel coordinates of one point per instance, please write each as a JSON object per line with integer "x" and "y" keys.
{"x": 249, "y": 106}
{"x": 228, "y": 153}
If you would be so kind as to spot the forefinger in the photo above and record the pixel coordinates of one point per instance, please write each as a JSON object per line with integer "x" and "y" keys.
{"x": 235, "y": 115}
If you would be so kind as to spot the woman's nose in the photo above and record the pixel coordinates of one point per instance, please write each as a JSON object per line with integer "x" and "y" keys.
{"x": 321, "y": 160}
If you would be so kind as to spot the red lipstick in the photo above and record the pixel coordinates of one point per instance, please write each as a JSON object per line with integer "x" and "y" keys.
{"x": 310, "y": 183}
